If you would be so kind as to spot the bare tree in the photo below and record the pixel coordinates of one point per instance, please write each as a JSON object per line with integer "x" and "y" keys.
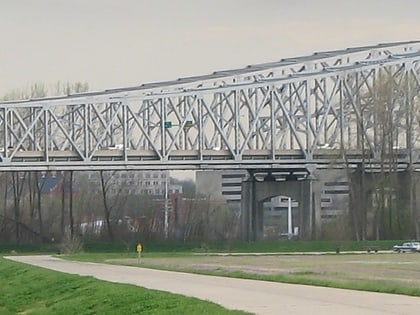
{"x": 36, "y": 90}
{"x": 63, "y": 210}
{"x": 110, "y": 188}
{"x": 37, "y": 186}
{"x": 391, "y": 109}
{"x": 18, "y": 184}
{"x": 71, "y": 204}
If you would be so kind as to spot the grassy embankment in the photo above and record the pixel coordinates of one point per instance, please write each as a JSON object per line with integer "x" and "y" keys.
{"x": 29, "y": 290}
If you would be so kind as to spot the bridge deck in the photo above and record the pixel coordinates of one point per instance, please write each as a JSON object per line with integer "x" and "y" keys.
{"x": 189, "y": 159}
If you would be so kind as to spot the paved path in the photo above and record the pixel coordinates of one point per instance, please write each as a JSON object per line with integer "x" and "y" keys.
{"x": 259, "y": 297}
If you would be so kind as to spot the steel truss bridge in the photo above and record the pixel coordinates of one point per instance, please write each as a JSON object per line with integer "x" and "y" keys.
{"x": 339, "y": 106}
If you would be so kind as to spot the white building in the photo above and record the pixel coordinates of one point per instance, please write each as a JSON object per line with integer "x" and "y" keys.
{"x": 136, "y": 182}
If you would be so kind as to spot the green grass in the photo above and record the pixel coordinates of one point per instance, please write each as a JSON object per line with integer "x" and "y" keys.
{"x": 30, "y": 290}
{"x": 180, "y": 247}
{"x": 264, "y": 246}
{"x": 247, "y": 247}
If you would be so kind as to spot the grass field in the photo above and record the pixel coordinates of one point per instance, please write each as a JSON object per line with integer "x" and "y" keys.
{"x": 381, "y": 272}
{"x": 175, "y": 247}
{"x": 30, "y": 290}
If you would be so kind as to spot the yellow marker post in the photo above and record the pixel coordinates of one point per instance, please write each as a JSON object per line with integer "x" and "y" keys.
{"x": 139, "y": 249}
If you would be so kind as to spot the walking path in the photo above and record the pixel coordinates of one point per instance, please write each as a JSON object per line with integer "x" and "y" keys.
{"x": 259, "y": 297}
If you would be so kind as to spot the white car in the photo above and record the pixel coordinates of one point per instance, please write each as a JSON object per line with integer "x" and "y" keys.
{"x": 407, "y": 247}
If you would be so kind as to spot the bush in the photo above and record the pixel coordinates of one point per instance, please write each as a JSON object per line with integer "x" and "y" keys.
{"x": 71, "y": 245}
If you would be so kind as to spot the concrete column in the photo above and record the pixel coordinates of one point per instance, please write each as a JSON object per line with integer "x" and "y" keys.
{"x": 305, "y": 212}
{"x": 316, "y": 208}
{"x": 248, "y": 205}
{"x": 254, "y": 193}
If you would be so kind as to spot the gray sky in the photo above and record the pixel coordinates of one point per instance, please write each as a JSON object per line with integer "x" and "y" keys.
{"x": 115, "y": 43}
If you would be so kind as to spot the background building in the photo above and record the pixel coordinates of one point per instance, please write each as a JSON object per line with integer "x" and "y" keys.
{"x": 332, "y": 187}
{"x": 136, "y": 182}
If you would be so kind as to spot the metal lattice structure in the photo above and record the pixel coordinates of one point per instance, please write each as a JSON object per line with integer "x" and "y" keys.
{"x": 296, "y": 111}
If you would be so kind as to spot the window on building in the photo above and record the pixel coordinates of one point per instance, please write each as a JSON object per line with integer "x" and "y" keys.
{"x": 336, "y": 183}
{"x": 336, "y": 192}
{"x": 233, "y": 175}
{"x": 231, "y": 184}
{"x": 231, "y": 192}
{"x": 328, "y": 216}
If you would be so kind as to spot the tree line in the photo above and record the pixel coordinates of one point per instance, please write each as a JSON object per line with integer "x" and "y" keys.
{"x": 52, "y": 207}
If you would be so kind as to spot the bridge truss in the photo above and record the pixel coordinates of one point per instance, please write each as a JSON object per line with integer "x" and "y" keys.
{"x": 343, "y": 105}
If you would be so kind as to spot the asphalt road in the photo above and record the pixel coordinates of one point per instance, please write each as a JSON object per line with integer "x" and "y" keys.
{"x": 259, "y": 297}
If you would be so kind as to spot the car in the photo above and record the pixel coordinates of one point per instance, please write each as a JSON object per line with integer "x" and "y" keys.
{"x": 116, "y": 147}
{"x": 412, "y": 247}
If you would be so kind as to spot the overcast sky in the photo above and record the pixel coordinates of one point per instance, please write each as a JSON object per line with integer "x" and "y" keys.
{"x": 116, "y": 43}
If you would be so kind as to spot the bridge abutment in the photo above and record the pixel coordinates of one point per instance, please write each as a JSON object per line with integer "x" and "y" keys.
{"x": 255, "y": 193}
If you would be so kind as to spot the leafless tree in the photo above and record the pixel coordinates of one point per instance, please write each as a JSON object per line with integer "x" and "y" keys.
{"x": 17, "y": 184}
{"x": 110, "y": 188}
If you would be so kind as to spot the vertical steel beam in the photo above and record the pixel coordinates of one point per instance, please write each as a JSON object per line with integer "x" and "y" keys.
{"x": 124, "y": 129}
{"x": 86, "y": 134}
{"x": 46, "y": 133}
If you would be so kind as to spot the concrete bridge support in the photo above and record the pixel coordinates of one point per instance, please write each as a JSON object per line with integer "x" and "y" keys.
{"x": 255, "y": 193}
{"x": 356, "y": 195}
